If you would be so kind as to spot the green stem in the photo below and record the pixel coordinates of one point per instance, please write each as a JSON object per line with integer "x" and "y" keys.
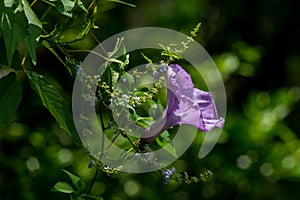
{"x": 47, "y": 2}
{"x": 33, "y": 3}
{"x": 47, "y": 11}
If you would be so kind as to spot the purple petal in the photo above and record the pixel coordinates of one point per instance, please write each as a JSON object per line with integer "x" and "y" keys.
{"x": 186, "y": 105}
{"x": 179, "y": 81}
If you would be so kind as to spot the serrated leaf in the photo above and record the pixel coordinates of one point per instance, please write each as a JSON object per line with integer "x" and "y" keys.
{"x": 62, "y": 187}
{"x": 54, "y": 102}
{"x": 77, "y": 182}
{"x": 10, "y": 97}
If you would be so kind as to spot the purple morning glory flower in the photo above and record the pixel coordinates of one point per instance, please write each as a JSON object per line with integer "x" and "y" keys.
{"x": 186, "y": 105}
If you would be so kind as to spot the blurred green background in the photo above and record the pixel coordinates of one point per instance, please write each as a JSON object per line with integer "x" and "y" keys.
{"x": 256, "y": 46}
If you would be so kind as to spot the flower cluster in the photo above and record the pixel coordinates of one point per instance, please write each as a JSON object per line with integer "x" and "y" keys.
{"x": 87, "y": 81}
{"x": 126, "y": 94}
{"x": 157, "y": 69}
{"x": 167, "y": 174}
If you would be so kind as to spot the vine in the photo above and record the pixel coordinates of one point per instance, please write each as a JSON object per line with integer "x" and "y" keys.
{"x": 21, "y": 27}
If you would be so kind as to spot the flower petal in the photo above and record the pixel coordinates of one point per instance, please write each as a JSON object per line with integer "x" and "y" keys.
{"x": 179, "y": 81}
{"x": 186, "y": 105}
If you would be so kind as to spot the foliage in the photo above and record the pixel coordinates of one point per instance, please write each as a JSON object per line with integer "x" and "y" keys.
{"x": 10, "y": 97}
{"x": 78, "y": 193}
{"x": 254, "y": 45}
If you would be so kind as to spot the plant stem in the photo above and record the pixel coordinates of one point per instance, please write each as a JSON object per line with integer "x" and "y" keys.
{"x": 93, "y": 181}
{"x": 103, "y": 129}
{"x": 33, "y": 3}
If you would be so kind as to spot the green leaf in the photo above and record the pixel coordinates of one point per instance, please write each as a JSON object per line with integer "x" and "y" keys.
{"x": 91, "y": 197}
{"x": 65, "y": 7}
{"x": 81, "y": 5}
{"x": 143, "y": 121}
{"x": 155, "y": 110}
{"x": 4, "y": 71}
{"x": 165, "y": 137}
{"x": 77, "y": 182}
{"x": 34, "y": 30}
{"x": 20, "y": 25}
{"x": 31, "y": 41}
{"x": 126, "y": 84}
{"x": 68, "y": 67}
{"x": 68, "y": 6}
{"x": 165, "y": 142}
{"x": 30, "y": 15}
{"x": 16, "y": 62}
{"x": 13, "y": 26}
{"x": 55, "y": 103}
{"x": 10, "y": 97}
{"x": 9, "y": 3}
{"x": 62, "y": 187}
{"x": 129, "y": 81}
{"x": 114, "y": 77}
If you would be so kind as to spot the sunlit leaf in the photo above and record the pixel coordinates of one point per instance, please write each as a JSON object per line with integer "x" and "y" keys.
{"x": 65, "y": 7}
{"x": 62, "y": 187}
{"x": 9, "y": 3}
{"x": 30, "y": 15}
